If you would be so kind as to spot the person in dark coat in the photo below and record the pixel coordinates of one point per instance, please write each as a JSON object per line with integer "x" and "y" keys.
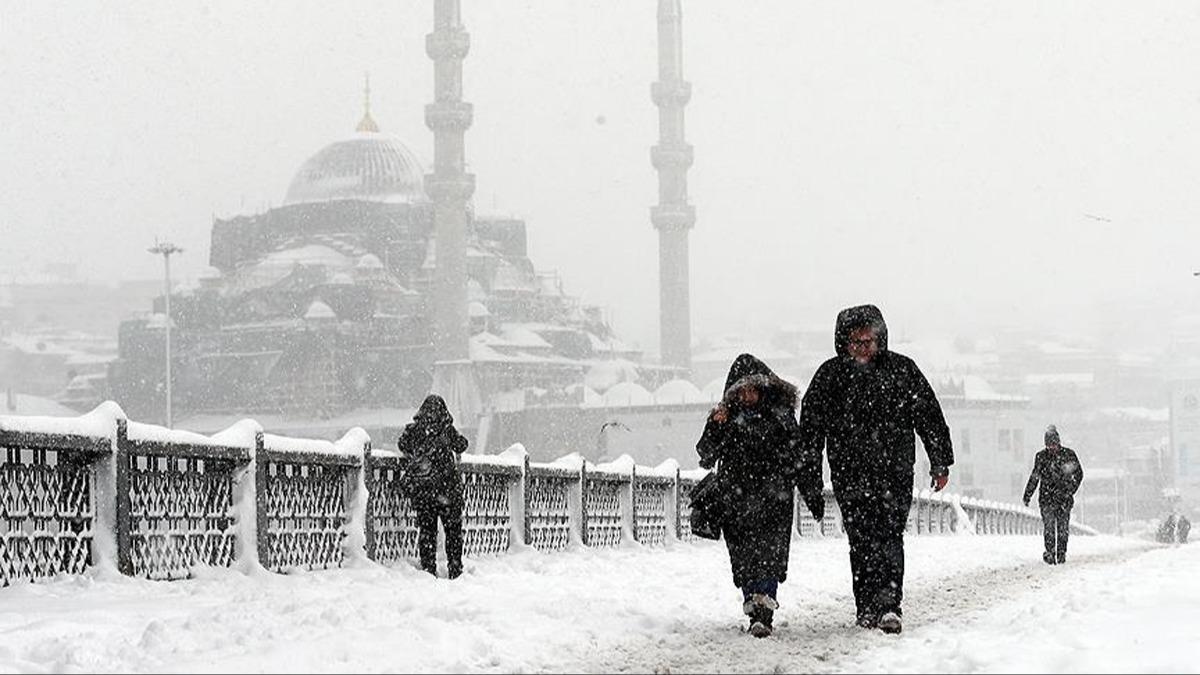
{"x": 1166, "y": 530}
{"x": 751, "y": 437}
{"x": 430, "y": 447}
{"x": 863, "y": 407}
{"x": 1058, "y": 471}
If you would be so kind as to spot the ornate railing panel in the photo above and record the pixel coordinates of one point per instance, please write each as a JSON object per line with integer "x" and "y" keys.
{"x": 392, "y": 514}
{"x": 651, "y": 496}
{"x": 487, "y": 514}
{"x": 181, "y": 511}
{"x": 46, "y": 505}
{"x": 306, "y": 511}
{"x": 602, "y": 506}
{"x": 548, "y": 507}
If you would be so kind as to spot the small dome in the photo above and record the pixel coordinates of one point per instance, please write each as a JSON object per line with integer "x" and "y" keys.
{"x": 319, "y": 311}
{"x": 715, "y": 389}
{"x": 678, "y": 391}
{"x": 369, "y": 262}
{"x": 589, "y": 397}
{"x": 370, "y": 166}
{"x": 627, "y": 394}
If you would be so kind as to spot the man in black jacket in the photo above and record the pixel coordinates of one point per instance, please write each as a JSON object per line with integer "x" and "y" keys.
{"x": 430, "y": 446}
{"x": 863, "y": 406}
{"x": 1060, "y": 473}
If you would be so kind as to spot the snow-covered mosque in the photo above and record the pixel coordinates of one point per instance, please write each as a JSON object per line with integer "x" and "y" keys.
{"x": 376, "y": 282}
{"x": 323, "y": 304}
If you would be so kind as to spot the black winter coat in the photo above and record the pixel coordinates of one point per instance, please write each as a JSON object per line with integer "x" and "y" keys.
{"x": 757, "y": 448}
{"x": 430, "y": 446}
{"x": 866, "y": 416}
{"x": 1059, "y": 473}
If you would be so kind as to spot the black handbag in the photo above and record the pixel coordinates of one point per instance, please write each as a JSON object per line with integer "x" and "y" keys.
{"x": 709, "y": 509}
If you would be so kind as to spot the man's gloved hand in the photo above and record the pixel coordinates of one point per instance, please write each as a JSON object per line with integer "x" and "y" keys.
{"x": 940, "y": 475}
{"x": 1025, "y": 502}
{"x": 815, "y": 501}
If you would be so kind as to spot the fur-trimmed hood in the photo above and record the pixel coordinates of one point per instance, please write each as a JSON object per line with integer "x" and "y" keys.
{"x": 748, "y": 370}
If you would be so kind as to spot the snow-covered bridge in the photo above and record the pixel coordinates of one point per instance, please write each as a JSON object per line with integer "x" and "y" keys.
{"x": 572, "y": 566}
{"x": 100, "y": 490}
{"x": 974, "y": 603}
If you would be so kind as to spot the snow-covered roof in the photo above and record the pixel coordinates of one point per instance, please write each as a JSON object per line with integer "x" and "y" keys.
{"x": 678, "y": 391}
{"x": 628, "y": 394}
{"x": 369, "y": 261}
{"x": 27, "y": 404}
{"x": 519, "y": 335}
{"x": 943, "y": 355}
{"x": 976, "y": 388}
{"x": 1147, "y": 414}
{"x": 609, "y": 345}
{"x": 1082, "y": 379}
{"x": 319, "y": 311}
{"x": 714, "y": 390}
{"x": 1059, "y": 349}
{"x": 604, "y": 374}
{"x": 591, "y": 399}
{"x": 36, "y": 344}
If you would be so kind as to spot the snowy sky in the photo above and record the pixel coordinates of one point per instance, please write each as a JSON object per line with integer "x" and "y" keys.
{"x": 960, "y": 162}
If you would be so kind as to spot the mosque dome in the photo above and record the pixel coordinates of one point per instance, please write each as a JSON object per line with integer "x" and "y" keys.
{"x": 369, "y": 166}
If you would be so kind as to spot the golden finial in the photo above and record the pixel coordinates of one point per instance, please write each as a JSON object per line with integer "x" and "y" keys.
{"x": 367, "y": 124}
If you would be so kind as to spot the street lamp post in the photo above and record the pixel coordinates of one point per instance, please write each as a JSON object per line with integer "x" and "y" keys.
{"x": 165, "y": 249}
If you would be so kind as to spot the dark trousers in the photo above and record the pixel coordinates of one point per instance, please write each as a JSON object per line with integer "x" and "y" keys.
{"x": 1056, "y": 520}
{"x": 768, "y": 587}
{"x": 450, "y": 513}
{"x": 875, "y": 528}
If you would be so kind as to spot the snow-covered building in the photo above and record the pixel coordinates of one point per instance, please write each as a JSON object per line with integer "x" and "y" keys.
{"x": 324, "y": 305}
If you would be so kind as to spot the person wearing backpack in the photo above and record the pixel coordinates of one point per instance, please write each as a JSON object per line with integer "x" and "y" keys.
{"x": 430, "y": 447}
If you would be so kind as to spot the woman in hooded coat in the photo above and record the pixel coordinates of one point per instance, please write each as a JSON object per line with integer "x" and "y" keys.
{"x": 430, "y": 445}
{"x": 754, "y": 436}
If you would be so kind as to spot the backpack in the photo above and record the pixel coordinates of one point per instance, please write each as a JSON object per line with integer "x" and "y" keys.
{"x": 418, "y": 475}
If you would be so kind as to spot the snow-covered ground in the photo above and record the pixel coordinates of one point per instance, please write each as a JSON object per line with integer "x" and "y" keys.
{"x": 972, "y": 604}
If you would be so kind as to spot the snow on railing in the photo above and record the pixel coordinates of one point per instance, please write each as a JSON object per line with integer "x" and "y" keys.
{"x": 98, "y": 490}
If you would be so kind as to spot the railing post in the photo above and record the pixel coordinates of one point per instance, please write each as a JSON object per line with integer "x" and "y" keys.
{"x": 104, "y": 505}
{"x": 261, "y": 483}
{"x": 675, "y": 506}
{"x": 583, "y": 514}
{"x": 518, "y": 506}
{"x": 628, "y": 508}
{"x": 123, "y": 523}
{"x": 368, "y": 482}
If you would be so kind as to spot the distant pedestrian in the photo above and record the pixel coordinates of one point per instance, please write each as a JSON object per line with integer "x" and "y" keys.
{"x": 1182, "y": 528}
{"x": 751, "y": 437}
{"x": 865, "y": 407}
{"x": 1058, "y": 471}
{"x": 1166, "y": 530}
{"x": 430, "y": 447}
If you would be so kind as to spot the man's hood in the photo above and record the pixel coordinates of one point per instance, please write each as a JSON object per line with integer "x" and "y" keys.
{"x": 852, "y": 318}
